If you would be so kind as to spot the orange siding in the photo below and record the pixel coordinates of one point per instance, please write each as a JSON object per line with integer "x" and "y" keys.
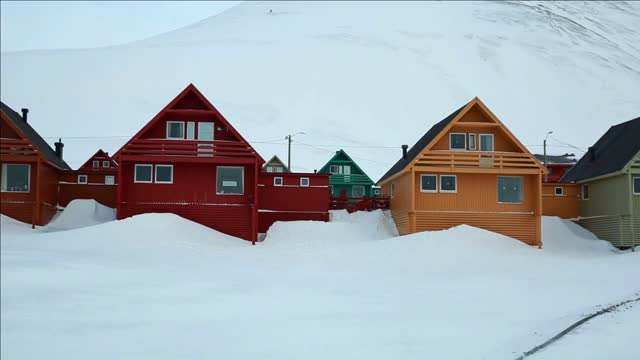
{"x": 400, "y": 203}
{"x": 566, "y": 206}
{"x": 500, "y": 140}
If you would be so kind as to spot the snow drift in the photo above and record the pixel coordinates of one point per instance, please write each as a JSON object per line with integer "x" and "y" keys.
{"x": 81, "y": 213}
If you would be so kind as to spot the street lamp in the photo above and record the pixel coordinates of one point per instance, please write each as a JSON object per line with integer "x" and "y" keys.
{"x": 544, "y": 145}
{"x": 289, "y": 137}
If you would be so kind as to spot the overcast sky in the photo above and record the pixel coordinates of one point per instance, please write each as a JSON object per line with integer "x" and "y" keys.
{"x": 28, "y": 25}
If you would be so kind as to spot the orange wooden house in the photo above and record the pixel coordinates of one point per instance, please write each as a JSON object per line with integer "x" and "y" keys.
{"x": 467, "y": 169}
{"x": 30, "y": 170}
{"x": 96, "y": 179}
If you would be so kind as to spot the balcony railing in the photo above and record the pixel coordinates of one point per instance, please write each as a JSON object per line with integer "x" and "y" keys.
{"x": 16, "y": 147}
{"x": 188, "y": 148}
{"x": 356, "y": 203}
{"x": 477, "y": 159}
{"x": 351, "y": 179}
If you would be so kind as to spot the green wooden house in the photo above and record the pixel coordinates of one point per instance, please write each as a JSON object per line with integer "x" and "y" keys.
{"x": 347, "y": 175}
{"x": 275, "y": 165}
{"x": 609, "y": 174}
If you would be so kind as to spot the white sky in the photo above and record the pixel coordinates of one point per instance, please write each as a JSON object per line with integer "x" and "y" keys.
{"x": 28, "y": 25}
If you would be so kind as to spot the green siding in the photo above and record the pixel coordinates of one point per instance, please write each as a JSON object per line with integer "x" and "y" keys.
{"x": 608, "y": 196}
{"x": 605, "y": 228}
{"x": 340, "y": 182}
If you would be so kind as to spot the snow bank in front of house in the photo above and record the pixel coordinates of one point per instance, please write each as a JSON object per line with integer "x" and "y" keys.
{"x": 81, "y": 213}
{"x": 567, "y": 237}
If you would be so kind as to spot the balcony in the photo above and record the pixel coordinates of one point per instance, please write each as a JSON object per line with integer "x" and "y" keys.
{"x": 349, "y": 179}
{"x": 477, "y": 161}
{"x": 187, "y": 149}
{"x": 16, "y": 147}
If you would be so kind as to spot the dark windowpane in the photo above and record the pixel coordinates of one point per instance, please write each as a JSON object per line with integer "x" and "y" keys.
{"x": 509, "y": 189}
{"x": 357, "y": 191}
{"x": 636, "y": 185}
{"x": 164, "y": 173}
{"x": 447, "y": 183}
{"x": 429, "y": 183}
{"x": 230, "y": 180}
{"x": 175, "y": 130}
{"x": 15, "y": 177}
{"x": 143, "y": 173}
{"x": 458, "y": 141}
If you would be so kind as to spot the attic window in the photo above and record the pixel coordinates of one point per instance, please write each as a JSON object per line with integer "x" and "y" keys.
{"x": 175, "y": 130}
{"x": 106, "y": 164}
{"x": 96, "y": 164}
{"x": 458, "y": 141}
{"x": 205, "y": 131}
{"x": 333, "y": 169}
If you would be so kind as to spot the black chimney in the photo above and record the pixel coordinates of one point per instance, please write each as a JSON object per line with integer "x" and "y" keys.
{"x": 315, "y": 171}
{"x": 592, "y": 151}
{"x": 25, "y": 111}
{"x": 59, "y": 145}
{"x": 404, "y": 151}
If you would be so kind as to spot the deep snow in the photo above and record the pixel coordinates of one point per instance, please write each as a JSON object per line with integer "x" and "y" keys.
{"x": 157, "y": 286}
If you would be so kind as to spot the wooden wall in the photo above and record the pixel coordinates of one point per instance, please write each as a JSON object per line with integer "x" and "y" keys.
{"x": 566, "y": 206}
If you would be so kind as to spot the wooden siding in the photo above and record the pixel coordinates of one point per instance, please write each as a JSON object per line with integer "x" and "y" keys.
{"x": 106, "y": 195}
{"x": 159, "y": 129}
{"x": 604, "y": 227}
{"x": 48, "y": 202}
{"x": 401, "y": 218}
{"x": 608, "y": 196}
{"x": 566, "y": 206}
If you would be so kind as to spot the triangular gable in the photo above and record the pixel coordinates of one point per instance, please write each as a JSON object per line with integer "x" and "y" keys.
{"x": 189, "y": 98}
{"x": 275, "y": 161}
{"x": 440, "y": 129}
{"x": 338, "y": 154}
{"x": 102, "y": 155}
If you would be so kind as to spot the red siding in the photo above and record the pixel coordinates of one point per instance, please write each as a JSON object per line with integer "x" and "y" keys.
{"x": 159, "y": 129}
{"x": 291, "y": 201}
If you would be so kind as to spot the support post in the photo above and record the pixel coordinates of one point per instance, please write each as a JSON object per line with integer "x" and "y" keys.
{"x": 538, "y": 211}
{"x": 35, "y": 216}
{"x": 119, "y": 190}
{"x": 254, "y": 213}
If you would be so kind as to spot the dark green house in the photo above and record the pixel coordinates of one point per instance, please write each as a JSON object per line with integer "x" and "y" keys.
{"x": 347, "y": 175}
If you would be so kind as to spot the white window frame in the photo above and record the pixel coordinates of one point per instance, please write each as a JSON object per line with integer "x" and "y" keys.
{"x": 364, "y": 191}
{"x": 113, "y": 180}
{"x": 96, "y": 164}
{"x": 302, "y": 182}
{"x": 270, "y": 169}
{"x": 183, "y": 130}
{"x": 633, "y": 187}
{"x": 429, "y": 191}
{"x": 498, "y": 191}
{"x": 451, "y": 143}
{"x": 376, "y": 191}
{"x": 155, "y": 173}
{"x": 230, "y": 167}
{"x": 86, "y": 179}
{"x": 275, "y": 181}
{"x": 106, "y": 164}
{"x": 493, "y": 142}
{"x": 213, "y": 130}
{"x": 135, "y": 173}
{"x": 331, "y": 167}
{"x": 555, "y": 191}
{"x": 582, "y": 191}
{"x": 455, "y": 182}
{"x": 191, "y": 130}
{"x": 4, "y": 179}
{"x": 475, "y": 143}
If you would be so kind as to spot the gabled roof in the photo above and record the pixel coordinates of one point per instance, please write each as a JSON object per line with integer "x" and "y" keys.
{"x": 613, "y": 151}
{"x": 276, "y": 160}
{"x": 30, "y": 134}
{"x": 439, "y": 129}
{"x": 339, "y": 153}
{"x": 102, "y": 154}
{"x": 557, "y": 159}
{"x": 191, "y": 90}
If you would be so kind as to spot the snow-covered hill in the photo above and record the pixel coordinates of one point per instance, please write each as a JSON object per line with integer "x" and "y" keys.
{"x": 366, "y": 76}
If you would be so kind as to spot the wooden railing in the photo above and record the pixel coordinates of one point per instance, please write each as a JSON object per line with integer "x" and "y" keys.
{"x": 477, "y": 159}
{"x": 354, "y": 178}
{"x": 16, "y": 147}
{"x": 188, "y": 148}
{"x": 355, "y": 203}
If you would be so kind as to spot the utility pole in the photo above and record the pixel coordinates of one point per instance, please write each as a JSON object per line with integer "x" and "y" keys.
{"x": 544, "y": 145}
{"x": 289, "y": 137}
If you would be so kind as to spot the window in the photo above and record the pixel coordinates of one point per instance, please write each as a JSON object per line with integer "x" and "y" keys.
{"x": 472, "y": 141}
{"x": 82, "y": 179}
{"x": 636, "y": 185}
{"x": 142, "y": 173}
{"x": 175, "y": 130}
{"x": 96, "y": 164}
{"x": 559, "y": 191}
{"x": 458, "y": 141}
{"x": 376, "y": 191}
{"x": 486, "y": 142}
{"x": 205, "y": 131}
{"x": 510, "y": 189}
{"x": 278, "y": 169}
{"x": 277, "y": 181}
{"x": 448, "y": 183}
{"x": 16, "y": 177}
{"x": 585, "y": 192}
{"x": 304, "y": 181}
{"x": 333, "y": 169}
{"x": 357, "y": 190}
{"x": 164, "y": 174}
{"x": 191, "y": 130}
{"x": 109, "y": 180}
{"x": 429, "y": 183}
{"x": 106, "y": 164}
{"x": 230, "y": 180}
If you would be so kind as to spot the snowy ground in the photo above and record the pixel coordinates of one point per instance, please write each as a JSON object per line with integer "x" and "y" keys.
{"x": 159, "y": 287}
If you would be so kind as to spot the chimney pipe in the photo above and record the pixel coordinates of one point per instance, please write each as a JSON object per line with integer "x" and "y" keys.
{"x": 592, "y": 151}
{"x": 25, "y": 111}
{"x": 404, "y": 151}
{"x": 315, "y": 171}
{"x": 59, "y": 145}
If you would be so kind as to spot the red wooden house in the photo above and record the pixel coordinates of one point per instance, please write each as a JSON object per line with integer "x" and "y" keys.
{"x": 30, "y": 170}
{"x": 292, "y": 196}
{"x": 96, "y": 179}
{"x": 190, "y": 161}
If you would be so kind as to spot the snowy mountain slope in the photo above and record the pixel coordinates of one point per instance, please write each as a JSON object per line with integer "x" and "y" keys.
{"x": 354, "y": 75}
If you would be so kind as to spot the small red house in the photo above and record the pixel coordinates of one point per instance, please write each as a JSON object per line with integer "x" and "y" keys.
{"x": 292, "y": 196}
{"x": 30, "y": 170}
{"x": 96, "y": 179}
{"x": 189, "y": 160}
